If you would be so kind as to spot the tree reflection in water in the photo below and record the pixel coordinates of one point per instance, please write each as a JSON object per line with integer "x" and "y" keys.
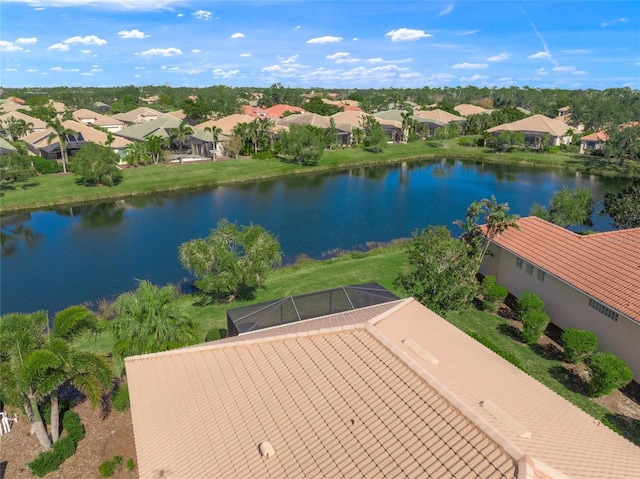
{"x": 14, "y": 231}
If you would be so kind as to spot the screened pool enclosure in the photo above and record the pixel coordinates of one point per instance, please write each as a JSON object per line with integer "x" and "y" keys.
{"x": 305, "y": 306}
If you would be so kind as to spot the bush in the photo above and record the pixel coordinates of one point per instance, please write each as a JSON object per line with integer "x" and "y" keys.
{"x": 130, "y": 465}
{"x": 215, "y": 334}
{"x": 263, "y": 155}
{"x": 608, "y": 372}
{"x": 47, "y": 462}
{"x": 528, "y": 302}
{"x": 466, "y": 141}
{"x": 46, "y": 167}
{"x": 120, "y": 399}
{"x": 108, "y": 468}
{"x": 492, "y": 293}
{"x": 413, "y": 137}
{"x": 578, "y": 344}
{"x": 534, "y": 322}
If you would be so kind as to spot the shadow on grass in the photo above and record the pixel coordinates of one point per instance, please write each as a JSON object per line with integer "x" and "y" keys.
{"x": 628, "y": 428}
{"x": 548, "y": 351}
{"x": 568, "y": 379}
{"x": 511, "y": 332}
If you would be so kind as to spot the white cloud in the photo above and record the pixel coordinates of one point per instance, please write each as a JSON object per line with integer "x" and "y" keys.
{"x": 165, "y": 52}
{"x": 272, "y": 68}
{"x": 219, "y": 72}
{"x": 469, "y": 66}
{"x": 8, "y": 69}
{"x": 355, "y": 39}
{"x": 614, "y": 22}
{"x": 203, "y": 15}
{"x": 27, "y": 41}
{"x": 375, "y": 60}
{"x": 85, "y": 51}
{"x": 56, "y": 69}
{"x": 196, "y": 50}
{"x": 578, "y": 51}
{"x": 579, "y": 72}
{"x": 245, "y": 55}
{"x": 289, "y": 60}
{"x": 63, "y": 47}
{"x": 540, "y": 55}
{"x": 238, "y": 35}
{"x": 325, "y": 39}
{"x": 86, "y": 40}
{"x": 447, "y": 10}
{"x": 298, "y": 27}
{"x": 338, "y": 55}
{"x": 563, "y": 69}
{"x": 406, "y": 35}
{"x": 6, "y": 46}
{"x": 132, "y": 34}
{"x": 179, "y": 15}
{"x": 499, "y": 57}
{"x": 474, "y": 78}
{"x": 470, "y": 32}
{"x": 32, "y": 70}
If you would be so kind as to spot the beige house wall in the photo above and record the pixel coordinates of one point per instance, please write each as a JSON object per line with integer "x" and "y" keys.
{"x": 567, "y": 306}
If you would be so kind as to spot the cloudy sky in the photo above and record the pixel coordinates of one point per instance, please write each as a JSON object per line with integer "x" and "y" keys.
{"x": 344, "y": 44}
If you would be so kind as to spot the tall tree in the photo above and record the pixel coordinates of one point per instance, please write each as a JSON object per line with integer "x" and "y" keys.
{"x": 624, "y": 207}
{"x": 623, "y": 143}
{"x": 180, "y": 133}
{"x": 60, "y": 132}
{"x": 233, "y": 260}
{"x": 568, "y": 207}
{"x": 17, "y": 128}
{"x": 97, "y": 165}
{"x": 215, "y": 137}
{"x": 154, "y": 145}
{"x": 304, "y": 143}
{"x": 149, "y": 320}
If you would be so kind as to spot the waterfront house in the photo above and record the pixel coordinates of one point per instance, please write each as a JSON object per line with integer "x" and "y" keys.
{"x": 535, "y": 127}
{"x": 93, "y": 118}
{"x": 593, "y": 142}
{"x": 389, "y": 390}
{"x": 586, "y": 281}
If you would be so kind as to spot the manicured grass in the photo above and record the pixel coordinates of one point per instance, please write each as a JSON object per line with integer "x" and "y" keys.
{"x": 53, "y": 190}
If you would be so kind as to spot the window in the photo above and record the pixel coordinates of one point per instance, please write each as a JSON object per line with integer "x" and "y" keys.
{"x": 519, "y": 263}
{"x": 529, "y": 268}
{"x": 601, "y": 308}
{"x": 540, "y": 275}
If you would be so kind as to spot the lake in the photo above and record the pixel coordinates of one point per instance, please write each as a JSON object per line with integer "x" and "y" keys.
{"x": 54, "y": 259}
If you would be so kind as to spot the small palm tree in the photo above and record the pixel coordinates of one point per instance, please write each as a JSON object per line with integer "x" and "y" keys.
{"x": 215, "y": 136}
{"x": 17, "y": 128}
{"x": 60, "y": 132}
{"x": 180, "y": 133}
{"x": 154, "y": 145}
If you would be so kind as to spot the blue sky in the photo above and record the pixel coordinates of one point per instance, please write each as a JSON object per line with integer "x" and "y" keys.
{"x": 327, "y": 44}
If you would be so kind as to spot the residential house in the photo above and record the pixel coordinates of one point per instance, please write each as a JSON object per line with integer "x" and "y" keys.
{"x": 7, "y": 106}
{"x": 92, "y": 118}
{"x": 586, "y": 281}
{"x": 535, "y": 127}
{"x": 139, "y": 115}
{"x": 6, "y": 147}
{"x": 346, "y": 105}
{"x": 7, "y": 118}
{"x": 564, "y": 115}
{"x": 593, "y": 142}
{"x": 15, "y": 99}
{"x": 389, "y": 390}
{"x": 179, "y": 114}
{"x": 466, "y": 109}
{"x": 227, "y": 123}
{"x": 437, "y": 118}
{"x": 254, "y": 111}
{"x": 319, "y": 121}
{"x": 278, "y": 111}
{"x": 151, "y": 100}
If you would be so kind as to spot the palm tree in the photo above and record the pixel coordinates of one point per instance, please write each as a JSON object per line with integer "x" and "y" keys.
{"x": 60, "y": 132}
{"x": 408, "y": 123}
{"x": 154, "y": 145}
{"x": 215, "y": 135}
{"x": 150, "y": 320}
{"x": 17, "y": 128}
{"x": 358, "y": 135}
{"x": 180, "y": 133}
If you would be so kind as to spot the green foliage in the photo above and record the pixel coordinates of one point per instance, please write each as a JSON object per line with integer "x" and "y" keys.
{"x": 413, "y": 137}
{"x": 109, "y": 467}
{"x": 120, "y": 398}
{"x": 492, "y": 293}
{"x": 130, "y": 465}
{"x": 195, "y": 110}
{"x": 512, "y": 358}
{"x": 374, "y": 137}
{"x": 623, "y": 143}
{"x": 304, "y": 144}
{"x": 568, "y": 207}
{"x": 44, "y": 166}
{"x": 150, "y": 320}
{"x": 233, "y": 260}
{"x": 624, "y": 207}
{"x": 442, "y": 272}
{"x": 528, "y": 302}
{"x": 15, "y": 167}
{"x": 97, "y": 165}
{"x": 316, "y": 105}
{"x": 214, "y": 334}
{"x": 578, "y": 344}
{"x": 263, "y": 155}
{"x": 608, "y": 372}
{"x": 49, "y": 461}
{"x": 534, "y": 322}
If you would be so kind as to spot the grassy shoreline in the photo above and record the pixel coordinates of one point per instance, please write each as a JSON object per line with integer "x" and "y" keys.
{"x": 47, "y": 191}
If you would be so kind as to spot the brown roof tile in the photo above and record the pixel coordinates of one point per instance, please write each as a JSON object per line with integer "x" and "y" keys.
{"x": 606, "y": 266}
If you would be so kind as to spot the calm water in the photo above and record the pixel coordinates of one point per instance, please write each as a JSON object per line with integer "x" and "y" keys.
{"x": 53, "y": 259}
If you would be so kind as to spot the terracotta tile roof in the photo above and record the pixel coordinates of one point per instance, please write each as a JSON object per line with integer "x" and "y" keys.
{"x": 227, "y": 123}
{"x": 38, "y": 124}
{"x": 412, "y": 417}
{"x": 139, "y": 115}
{"x": 306, "y": 118}
{"x": 96, "y": 118}
{"x": 535, "y": 124}
{"x": 606, "y": 266}
{"x": 254, "y": 111}
{"x": 597, "y": 136}
{"x": 96, "y": 136}
{"x": 354, "y": 118}
{"x": 439, "y": 115}
{"x": 466, "y": 109}
{"x": 276, "y": 111}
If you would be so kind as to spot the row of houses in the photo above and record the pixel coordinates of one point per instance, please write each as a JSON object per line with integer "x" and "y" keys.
{"x": 354, "y": 382}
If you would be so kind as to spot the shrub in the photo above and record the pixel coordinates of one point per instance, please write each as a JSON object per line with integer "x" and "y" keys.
{"x": 578, "y": 344}
{"x": 120, "y": 399}
{"x": 130, "y": 465}
{"x": 215, "y": 334}
{"x": 47, "y": 462}
{"x": 413, "y": 137}
{"x": 45, "y": 167}
{"x": 534, "y": 322}
{"x": 492, "y": 293}
{"x": 528, "y": 302}
{"x": 263, "y": 155}
{"x": 464, "y": 141}
{"x": 608, "y": 372}
{"x": 108, "y": 468}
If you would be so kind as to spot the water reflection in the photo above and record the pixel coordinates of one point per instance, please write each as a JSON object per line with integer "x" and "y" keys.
{"x": 14, "y": 232}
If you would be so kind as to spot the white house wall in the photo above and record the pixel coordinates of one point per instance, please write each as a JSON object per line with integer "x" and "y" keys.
{"x": 568, "y": 307}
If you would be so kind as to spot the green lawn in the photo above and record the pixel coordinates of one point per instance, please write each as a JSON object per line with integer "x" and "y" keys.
{"x": 52, "y": 190}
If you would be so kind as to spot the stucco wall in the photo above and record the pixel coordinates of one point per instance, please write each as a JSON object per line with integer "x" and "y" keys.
{"x": 568, "y": 307}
